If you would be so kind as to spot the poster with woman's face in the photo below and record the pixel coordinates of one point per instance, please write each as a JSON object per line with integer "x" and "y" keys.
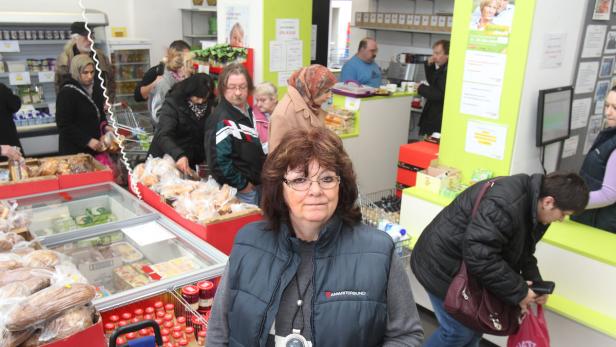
{"x": 495, "y": 13}
{"x": 602, "y": 10}
{"x": 236, "y": 26}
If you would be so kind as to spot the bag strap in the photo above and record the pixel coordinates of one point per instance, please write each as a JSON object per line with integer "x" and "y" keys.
{"x": 487, "y": 185}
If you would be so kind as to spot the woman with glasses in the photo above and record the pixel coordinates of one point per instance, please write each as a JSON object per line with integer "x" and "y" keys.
{"x": 309, "y": 87}
{"x": 312, "y": 274}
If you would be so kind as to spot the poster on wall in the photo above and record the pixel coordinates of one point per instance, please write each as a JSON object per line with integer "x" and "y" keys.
{"x": 594, "y": 127}
{"x": 580, "y": 110}
{"x": 607, "y": 67}
{"x": 610, "y": 43}
{"x": 602, "y": 10}
{"x": 593, "y": 41}
{"x": 570, "y": 146}
{"x": 600, "y": 93}
{"x": 237, "y": 21}
{"x": 586, "y": 77}
{"x": 486, "y": 139}
{"x": 486, "y": 58}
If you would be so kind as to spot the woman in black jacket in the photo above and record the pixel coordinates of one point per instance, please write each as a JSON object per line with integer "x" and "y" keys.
{"x": 181, "y": 123}
{"x": 9, "y": 104}
{"x": 81, "y": 122}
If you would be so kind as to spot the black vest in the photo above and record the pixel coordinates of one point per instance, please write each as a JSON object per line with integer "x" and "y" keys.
{"x": 593, "y": 171}
{"x": 351, "y": 270}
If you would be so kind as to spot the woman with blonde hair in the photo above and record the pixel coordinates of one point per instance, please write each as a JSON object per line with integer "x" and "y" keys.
{"x": 178, "y": 66}
{"x": 266, "y": 99}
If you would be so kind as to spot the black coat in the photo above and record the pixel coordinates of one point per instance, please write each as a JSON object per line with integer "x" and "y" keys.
{"x": 9, "y": 104}
{"x": 78, "y": 119}
{"x": 179, "y": 133}
{"x": 432, "y": 114}
{"x": 497, "y": 245}
{"x": 149, "y": 77}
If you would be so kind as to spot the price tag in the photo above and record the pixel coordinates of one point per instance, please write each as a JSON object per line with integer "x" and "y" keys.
{"x": 19, "y": 78}
{"x": 352, "y": 104}
{"x": 9, "y": 46}
{"x": 46, "y": 76}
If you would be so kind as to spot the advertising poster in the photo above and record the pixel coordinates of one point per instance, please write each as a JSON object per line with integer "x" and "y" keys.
{"x": 486, "y": 57}
{"x": 602, "y": 10}
{"x": 486, "y": 139}
{"x": 237, "y": 20}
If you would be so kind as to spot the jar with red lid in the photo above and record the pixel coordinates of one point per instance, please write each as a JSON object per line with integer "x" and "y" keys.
{"x": 160, "y": 314}
{"x": 168, "y": 325}
{"x": 127, "y": 316}
{"x": 122, "y": 323}
{"x": 169, "y": 309}
{"x": 120, "y": 341}
{"x": 177, "y": 336}
{"x": 178, "y": 328}
{"x": 138, "y": 313}
{"x": 191, "y": 295}
{"x": 183, "y": 342}
{"x": 201, "y": 338}
{"x": 135, "y": 320}
{"x": 159, "y": 322}
{"x": 149, "y": 310}
{"x": 206, "y": 295}
{"x": 148, "y": 316}
{"x": 159, "y": 306}
{"x": 181, "y": 321}
{"x": 196, "y": 323}
{"x": 165, "y": 339}
{"x": 144, "y": 332}
{"x": 109, "y": 328}
{"x": 131, "y": 336}
{"x": 114, "y": 319}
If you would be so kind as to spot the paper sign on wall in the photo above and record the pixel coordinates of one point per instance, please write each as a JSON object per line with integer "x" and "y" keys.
{"x": 19, "y": 78}
{"x": 586, "y": 77}
{"x": 46, "y": 76}
{"x": 553, "y": 51}
{"x": 287, "y": 29}
{"x": 294, "y": 50}
{"x": 9, "y": 46}
{"x": 283, "y": 76}
{"x": 483, "y": 82}
{"x": 278, "y": 57}
{"x": 570, "y": 146}
{"x": 580, "y": 110}
{"x": 593, "y": 41}
{"x": 486, "y": 139}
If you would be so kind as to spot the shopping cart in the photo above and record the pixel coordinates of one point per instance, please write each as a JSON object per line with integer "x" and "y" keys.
{"x": 146, "y": 341}
{"x": 137, "y": 129}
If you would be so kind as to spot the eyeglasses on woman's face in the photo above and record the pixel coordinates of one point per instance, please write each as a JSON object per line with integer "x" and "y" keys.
{"x": 304, "y": 183}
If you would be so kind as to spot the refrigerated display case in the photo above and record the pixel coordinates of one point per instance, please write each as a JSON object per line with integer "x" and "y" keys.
{"x": 130, "y": 59}
{"x": 121, "y": 245}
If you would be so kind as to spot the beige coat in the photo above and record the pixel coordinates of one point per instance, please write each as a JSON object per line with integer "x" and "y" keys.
{"x": 292, "y": 113}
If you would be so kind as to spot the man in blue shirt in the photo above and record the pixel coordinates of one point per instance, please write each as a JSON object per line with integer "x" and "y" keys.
{"x": 361, "y": 67}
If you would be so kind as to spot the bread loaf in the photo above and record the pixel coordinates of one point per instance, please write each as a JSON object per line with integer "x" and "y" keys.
{"x": 48, "y": 303}
{"x": 42, "y": 258}
{"x": 14, "y": 339}
{"x": 9, "y": 265}
{"x": 22, "y": 274}
{"x": 68, "y": 323}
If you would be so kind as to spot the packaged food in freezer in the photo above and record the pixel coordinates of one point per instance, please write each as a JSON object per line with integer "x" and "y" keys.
{"x": 126, "y": 251}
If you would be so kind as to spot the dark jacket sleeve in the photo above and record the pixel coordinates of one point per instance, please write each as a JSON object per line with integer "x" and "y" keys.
{"x": 67, "y": 113}
{"x": 485, "y": 239}
{"x": 166, "y": 131}
{"x": 13, "y": 102}
{"x": 148, "y": 77}
{"x": 530, "y": 270}
{"x": 219, "y": 146}
{"x": 436, "y": 90}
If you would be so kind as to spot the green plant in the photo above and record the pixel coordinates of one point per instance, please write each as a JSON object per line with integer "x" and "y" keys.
{"x": 221, "y": 54}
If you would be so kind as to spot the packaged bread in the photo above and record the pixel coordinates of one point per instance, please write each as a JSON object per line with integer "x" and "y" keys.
{"x": 63, "y": 168}
{"x": 14, "y": 338}
{"x": 43, "y": 258}
{"x": 68, "y": 323}
{"x": 47, "y": 304}
{"x": 33, "y": 340}
{"x": 23, "y": 274}
{"x": 48, "y": 167}
{"x": 149, "y": 180}
{"x": 9, "y": 265}
{"x": 24, "y": 288}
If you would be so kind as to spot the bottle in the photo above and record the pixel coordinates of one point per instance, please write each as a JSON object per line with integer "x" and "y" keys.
{"x": 109, "y": 328}
{"x": 138, "y": 313}
{"x": 170, "y": 309}
{"x": 201, "y": 338}
{"x": 159, "y": 307}
{"x": 114, "y": 319}
{"x": 190, "y": 337}
{"x": 127, "y": 316}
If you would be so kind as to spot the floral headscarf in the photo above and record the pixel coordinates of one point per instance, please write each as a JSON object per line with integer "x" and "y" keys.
{"x": 312, "y": 82}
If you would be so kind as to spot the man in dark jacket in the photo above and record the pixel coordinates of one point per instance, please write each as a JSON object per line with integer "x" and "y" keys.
{"x": 9, "y": 141}
{"x": 434, "y": 89}
{"x": 233, "y": 150}
{"x": 497, "y": 244}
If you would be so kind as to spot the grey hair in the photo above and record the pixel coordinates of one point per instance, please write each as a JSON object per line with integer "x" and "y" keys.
{"x": 266, "y": 88}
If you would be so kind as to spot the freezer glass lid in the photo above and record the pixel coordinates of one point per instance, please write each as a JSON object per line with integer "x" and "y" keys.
{"x": 133, "y": 257}
{"x": 76, "y": 209}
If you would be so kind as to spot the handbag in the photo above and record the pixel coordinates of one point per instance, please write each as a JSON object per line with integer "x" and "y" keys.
{"x": 533, "y": 331}
{"x": 473, "y": 305}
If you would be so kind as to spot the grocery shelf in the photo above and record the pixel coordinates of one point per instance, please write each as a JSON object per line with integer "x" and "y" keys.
{"x": 42, "y": 42}
{"x": 201, "y": 36}
{"x": 32, "y": 74}
{"x": 367, "y": 27}
{"x": 200, "y": 9}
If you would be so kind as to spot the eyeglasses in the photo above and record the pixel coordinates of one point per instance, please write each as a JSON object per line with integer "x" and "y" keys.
{"x": 240, "y": 88}
{"x": 302, "y": 183}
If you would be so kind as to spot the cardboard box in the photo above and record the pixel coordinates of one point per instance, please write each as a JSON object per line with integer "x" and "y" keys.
{"x": 380, "y": 19}
{"x": 437, "y": 177}
{"x": 219, "y": 232}
{"x": 366, "y": 18}
{"x": 417, "y": 21}
{"x": 433, "y": 22}
{"x": 410, "y": 19}
{"x": 373, "y": 18}
{"x": 442, "y": 23}
{"x": 402, "y": 20}
{"x": 425, "y": 22}
{"x": 387, "y": 19}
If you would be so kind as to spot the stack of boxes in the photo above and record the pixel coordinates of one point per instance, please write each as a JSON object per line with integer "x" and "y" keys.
{"x": 412, "y": 158}
{"x": 405, "y": 21}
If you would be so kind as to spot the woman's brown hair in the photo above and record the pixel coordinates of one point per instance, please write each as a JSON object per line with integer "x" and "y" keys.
{"x": 296, "y": 150}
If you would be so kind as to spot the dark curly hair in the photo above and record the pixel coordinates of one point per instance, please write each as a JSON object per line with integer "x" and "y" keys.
{"x": 296, "y": 150}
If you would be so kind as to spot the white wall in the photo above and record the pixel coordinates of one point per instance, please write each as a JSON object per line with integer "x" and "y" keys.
{"x": 526, "y": 157}
{"x": 344, "y": 17}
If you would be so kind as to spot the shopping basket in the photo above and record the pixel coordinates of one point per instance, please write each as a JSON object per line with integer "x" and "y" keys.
{"x": 146, "y": 341}
{"x": 137, "y": 129}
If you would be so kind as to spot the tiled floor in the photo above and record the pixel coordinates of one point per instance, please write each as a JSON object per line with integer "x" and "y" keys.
{"x": 429, "y": 323}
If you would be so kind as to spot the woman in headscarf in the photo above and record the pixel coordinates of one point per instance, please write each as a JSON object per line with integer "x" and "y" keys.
{"x": 81, "y": 122}
{"x": 309, "y": 87}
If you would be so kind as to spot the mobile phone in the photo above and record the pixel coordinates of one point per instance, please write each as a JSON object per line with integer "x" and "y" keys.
{"x": 543, "y": 287}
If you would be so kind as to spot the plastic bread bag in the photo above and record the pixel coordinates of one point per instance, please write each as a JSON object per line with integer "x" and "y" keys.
{"x": 24, "y": 274}
{"x": 8, "y": 240}
{"x": 206, "y": 211}
{"x": 43, "y": 258}
{"x": 47, "y": 304}
{"x": 185, "y": 206}
{"x": 67, "y": 274}
{"x": 9, "y": 261}
{"x": 165, "y": 167}
{"x": 67, "y": 323}
{"x": 16, "y": 338}
{"x": 20, "y": 218}
{"x": 25, "y": 288}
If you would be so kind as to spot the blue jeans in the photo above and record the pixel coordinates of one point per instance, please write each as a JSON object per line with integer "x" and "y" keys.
{"x": 450, "y": 332}
{"x": 251, "y": 197}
